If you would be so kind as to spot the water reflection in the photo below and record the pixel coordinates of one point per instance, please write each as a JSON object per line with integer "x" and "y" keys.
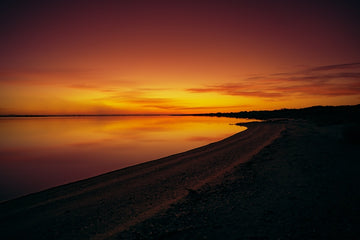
{"x": 37, "y": 153}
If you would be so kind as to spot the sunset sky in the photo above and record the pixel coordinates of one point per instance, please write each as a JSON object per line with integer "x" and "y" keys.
{"x": 130, "y": 57}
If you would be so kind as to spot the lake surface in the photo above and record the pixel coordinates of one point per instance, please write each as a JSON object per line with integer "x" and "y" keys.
{"x": 38, "y": 153}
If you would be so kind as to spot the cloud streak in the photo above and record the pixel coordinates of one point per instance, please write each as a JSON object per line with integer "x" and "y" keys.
{"x": 330, "y": 80}
{"x": 336, "y": 67}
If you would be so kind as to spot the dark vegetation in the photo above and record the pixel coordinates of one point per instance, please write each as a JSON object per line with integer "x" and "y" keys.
{"x": 348, "y": 116}
{"x": 322, "y": 115}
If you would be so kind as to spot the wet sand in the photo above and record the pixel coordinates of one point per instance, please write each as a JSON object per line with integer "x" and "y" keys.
{"x": 276, "y": 180}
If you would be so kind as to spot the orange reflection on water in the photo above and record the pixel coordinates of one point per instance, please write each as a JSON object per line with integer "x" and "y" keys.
{"x": 37, "y": 153}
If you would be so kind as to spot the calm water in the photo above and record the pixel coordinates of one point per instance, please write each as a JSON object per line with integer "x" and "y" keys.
{"x": 38, "y": 153}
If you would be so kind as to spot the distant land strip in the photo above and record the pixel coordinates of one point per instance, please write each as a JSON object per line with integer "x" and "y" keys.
{"x": 319, "y": 114}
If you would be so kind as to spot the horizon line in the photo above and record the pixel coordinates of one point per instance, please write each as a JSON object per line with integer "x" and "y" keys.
{"x": 81, "y": 115}
{"x": 156, "y": 114}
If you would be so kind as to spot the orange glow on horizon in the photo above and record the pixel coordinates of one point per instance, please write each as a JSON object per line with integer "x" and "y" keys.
{"x": 159, "y": 57}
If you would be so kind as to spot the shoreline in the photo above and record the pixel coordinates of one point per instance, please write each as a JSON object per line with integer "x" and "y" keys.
{"x": 281, "y": 179}
{"x": 142, "y": 190}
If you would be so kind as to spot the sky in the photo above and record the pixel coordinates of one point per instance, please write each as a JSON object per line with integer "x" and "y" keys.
{"x": 143, "y": 57}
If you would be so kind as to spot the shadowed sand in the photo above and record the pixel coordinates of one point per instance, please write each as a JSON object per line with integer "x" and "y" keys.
{"x": 301, "y": 183}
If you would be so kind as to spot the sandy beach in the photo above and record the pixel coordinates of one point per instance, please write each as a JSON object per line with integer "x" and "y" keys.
{"x": 277, "y": 180}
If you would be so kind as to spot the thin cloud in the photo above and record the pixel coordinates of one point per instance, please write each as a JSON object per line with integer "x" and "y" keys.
{"x": 83, "y": 86}
{"x": 138, "y": 97}
{"x": 237, "y": 90}
{"x": 91, "y": 87}
{"x": 336, "y": 67}
{"x": 330, "y": 80}
{"x": 176, "y": 108}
